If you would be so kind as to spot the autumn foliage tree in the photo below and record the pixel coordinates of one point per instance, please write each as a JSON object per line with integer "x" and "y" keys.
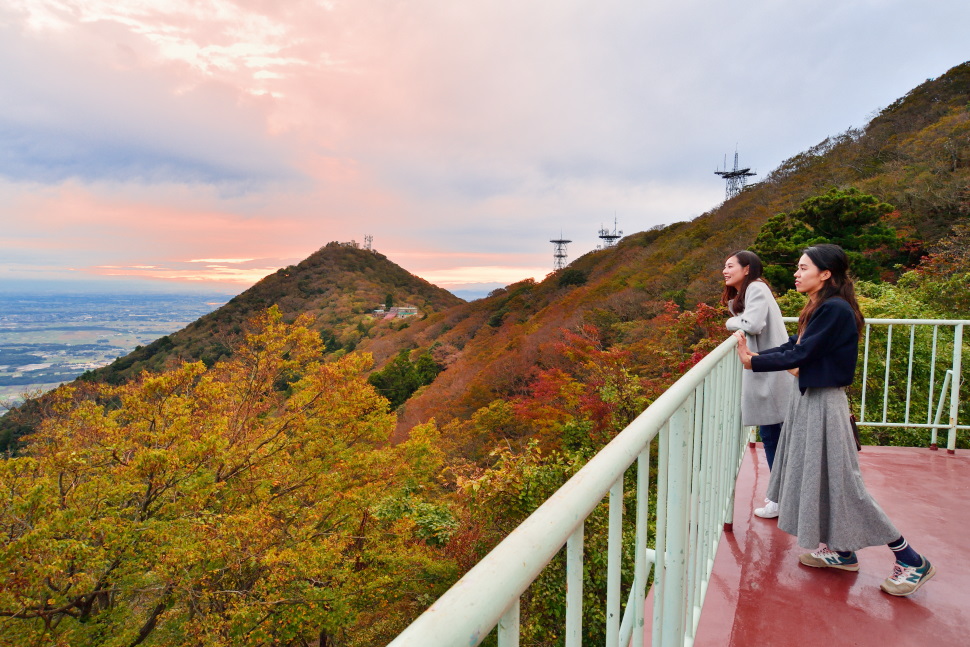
{"x": 233, "y": 505}
{"x": 942, "y": 279}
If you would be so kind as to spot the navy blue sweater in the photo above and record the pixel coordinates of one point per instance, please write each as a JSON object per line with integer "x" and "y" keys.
{"x": 826, "y": 355}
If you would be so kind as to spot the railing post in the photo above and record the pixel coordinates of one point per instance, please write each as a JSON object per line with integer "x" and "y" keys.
{"x": 733, "y": 426}
{"x": 508, "y": 626}
{"x": 865, "y": 375}
{"x": 574, "y": 588}
{"x": 615, "y": 552}
{"x": 678, "y": 504}
{"x": 951, "y": 443}
{"x": 641, "y": 568}
{"x": 909, "y": 371}
{"x": 696, "y": 528}
{"x": 929, "y": 400}
{"x": 939, "y": 407}
{"x": 885, "y": 382}
{"x": 660, "y": 537}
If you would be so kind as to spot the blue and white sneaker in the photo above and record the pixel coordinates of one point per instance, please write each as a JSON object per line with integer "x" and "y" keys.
{"x": 907, "y": 579}
{"x": 825, "y": 558}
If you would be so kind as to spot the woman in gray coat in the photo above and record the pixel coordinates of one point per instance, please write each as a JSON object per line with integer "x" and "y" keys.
{"x": 764, "y": 396}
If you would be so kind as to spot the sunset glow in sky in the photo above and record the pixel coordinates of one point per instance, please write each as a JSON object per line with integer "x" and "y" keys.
{"x": 208, "y": 143}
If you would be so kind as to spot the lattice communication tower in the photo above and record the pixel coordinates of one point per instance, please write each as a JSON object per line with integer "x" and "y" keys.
{"x": 559, "y": 254}
{"x": 608, "y": 237}
{"x": 735, "y": 178}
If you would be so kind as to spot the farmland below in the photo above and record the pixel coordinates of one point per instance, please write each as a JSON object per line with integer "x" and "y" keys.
{"x": 49, "y": 339}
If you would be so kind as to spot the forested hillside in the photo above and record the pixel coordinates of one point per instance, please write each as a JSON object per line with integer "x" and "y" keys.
{"x": 320, "y": 479}
{"x": 338, "y": 286}
{"x": 914, "y": 158}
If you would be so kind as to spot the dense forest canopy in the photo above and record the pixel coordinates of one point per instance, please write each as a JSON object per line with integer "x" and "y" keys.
{"x": 318, "y": 478}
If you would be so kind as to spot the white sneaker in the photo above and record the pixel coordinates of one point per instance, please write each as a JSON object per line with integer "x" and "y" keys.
{"x": 770, "y": 511}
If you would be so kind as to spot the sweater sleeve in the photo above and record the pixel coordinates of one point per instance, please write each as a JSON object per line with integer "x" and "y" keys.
{"x": 755, "y": 316}
{"x": 817, "y": 340}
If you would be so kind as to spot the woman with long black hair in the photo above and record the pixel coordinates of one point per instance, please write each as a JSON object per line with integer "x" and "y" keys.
{"x": 816, "y": 480}
{"x": 764, "y": 396}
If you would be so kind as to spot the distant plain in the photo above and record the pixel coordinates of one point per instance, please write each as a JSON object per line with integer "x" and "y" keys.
{"x": 49, "y": 339}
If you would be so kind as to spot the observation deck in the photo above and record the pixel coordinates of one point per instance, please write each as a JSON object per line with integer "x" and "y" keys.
{"x": 759, "y": 594}
{"x": 716, "y": 574}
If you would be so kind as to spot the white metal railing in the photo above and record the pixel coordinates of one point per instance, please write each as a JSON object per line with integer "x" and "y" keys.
{"x": 696, "y": 424}
{"x": 928, "y": 354}
{"x": 698, "y": 434}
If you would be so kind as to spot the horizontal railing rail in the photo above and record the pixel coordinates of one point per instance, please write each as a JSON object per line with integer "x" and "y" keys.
{"x": 932, "y": 349}
{"x": 696, "y": 427}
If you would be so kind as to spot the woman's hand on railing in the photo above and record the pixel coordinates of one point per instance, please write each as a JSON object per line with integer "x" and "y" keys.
{"x": 744, "y": 354}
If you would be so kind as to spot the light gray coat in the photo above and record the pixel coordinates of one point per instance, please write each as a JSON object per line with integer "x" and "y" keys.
{"x": 764, "y": 396}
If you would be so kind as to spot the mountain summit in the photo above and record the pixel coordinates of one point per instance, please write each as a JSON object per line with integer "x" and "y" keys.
{"x": 340, "y": 286}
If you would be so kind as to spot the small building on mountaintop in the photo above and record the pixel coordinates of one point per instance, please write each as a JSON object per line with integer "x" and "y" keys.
{"x": 396, "y": 312}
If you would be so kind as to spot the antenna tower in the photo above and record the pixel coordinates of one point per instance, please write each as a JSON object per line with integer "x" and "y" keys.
{"x": 608, "y": 237}
{"x": 368, "y": 242}
{"x": 559, "y": 255}
{"x": 735, "y": 178}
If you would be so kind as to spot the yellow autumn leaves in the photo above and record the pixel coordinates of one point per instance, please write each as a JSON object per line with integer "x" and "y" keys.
{"x": 221, "y": 506}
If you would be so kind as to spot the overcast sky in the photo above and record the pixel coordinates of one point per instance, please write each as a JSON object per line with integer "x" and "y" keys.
{"x": 192, "y": 142}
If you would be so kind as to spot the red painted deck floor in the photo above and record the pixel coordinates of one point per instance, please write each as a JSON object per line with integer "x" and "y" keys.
{"x": 760, "y": 594}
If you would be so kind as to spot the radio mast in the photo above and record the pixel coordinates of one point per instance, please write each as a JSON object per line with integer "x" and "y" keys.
{"x": 559, "y": 254}
{"x": 734, "y": 178}
{"x": 608, "y": 237}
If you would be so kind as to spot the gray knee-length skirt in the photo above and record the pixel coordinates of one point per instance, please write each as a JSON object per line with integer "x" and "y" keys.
{"x": 816, "y": 480}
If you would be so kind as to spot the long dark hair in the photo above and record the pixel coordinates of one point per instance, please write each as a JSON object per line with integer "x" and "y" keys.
{"x": 751, "y": 261}
{"x": 831, "y": 258}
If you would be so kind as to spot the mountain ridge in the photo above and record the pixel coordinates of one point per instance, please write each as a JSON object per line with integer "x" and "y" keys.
{"x": 914, "y": 154}
{"x": 339, "y": 285}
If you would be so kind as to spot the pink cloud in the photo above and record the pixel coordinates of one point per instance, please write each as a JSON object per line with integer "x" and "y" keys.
{"x": 463, "y": 136}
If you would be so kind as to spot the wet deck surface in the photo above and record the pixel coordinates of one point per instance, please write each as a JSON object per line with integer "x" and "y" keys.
{"x": 760, "y": 594}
